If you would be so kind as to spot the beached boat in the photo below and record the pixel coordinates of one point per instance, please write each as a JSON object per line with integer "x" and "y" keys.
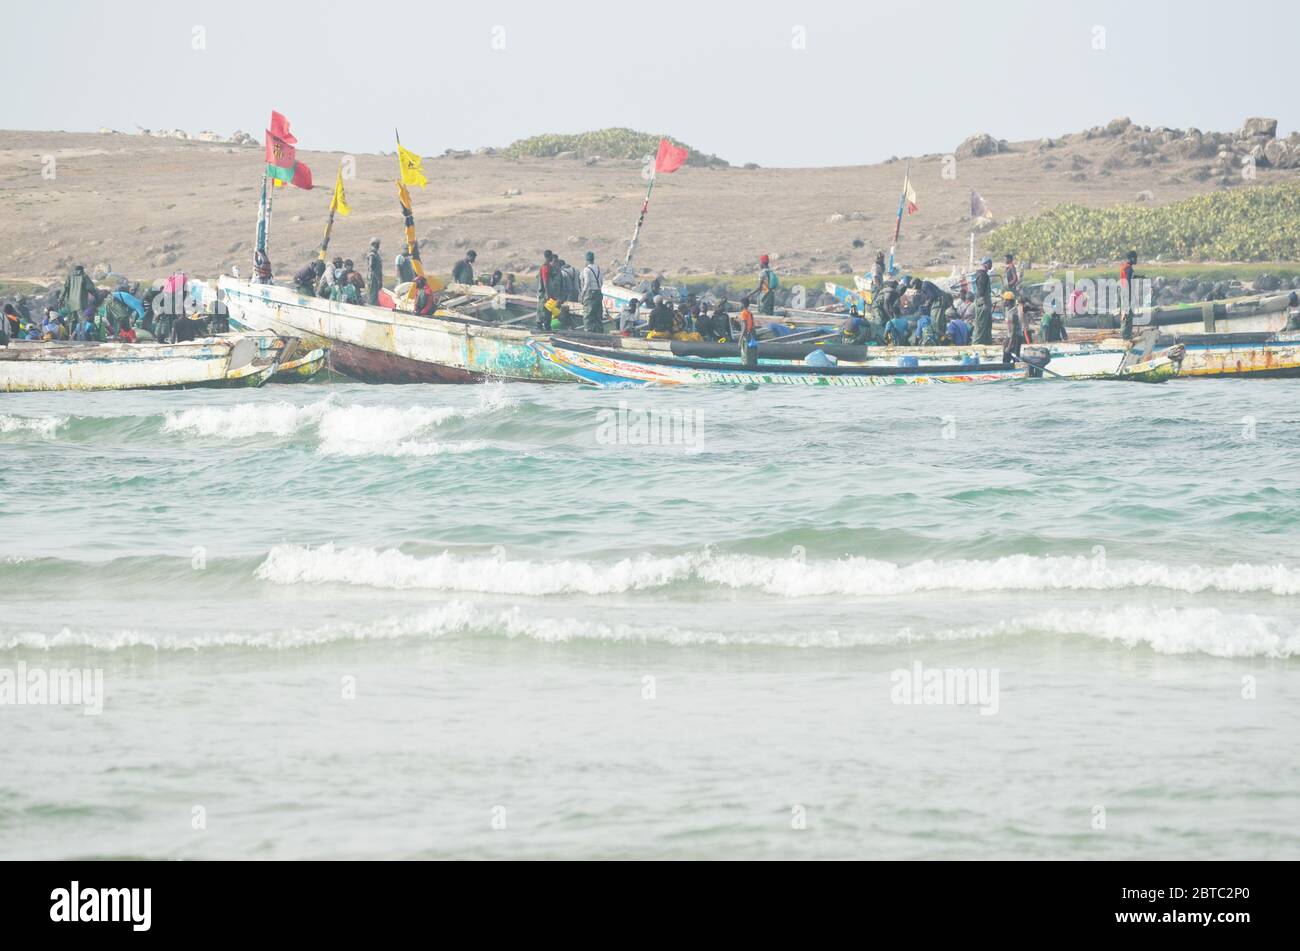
{"x": 223, "y": 360}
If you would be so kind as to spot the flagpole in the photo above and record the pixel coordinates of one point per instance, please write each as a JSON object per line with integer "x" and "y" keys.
{"x": 329, "y": 224}
{"x": 636, "y": 233}
{"x": 898, "y": 226}
{"x": 259, "y": 242}
{"x": 408, "y": 218}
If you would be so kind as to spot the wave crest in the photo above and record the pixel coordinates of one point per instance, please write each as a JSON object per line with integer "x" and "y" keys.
{"x": 792, "y": 577}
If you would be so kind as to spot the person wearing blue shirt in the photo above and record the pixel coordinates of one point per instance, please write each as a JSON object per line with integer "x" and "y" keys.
{"x": 958, "y": 331}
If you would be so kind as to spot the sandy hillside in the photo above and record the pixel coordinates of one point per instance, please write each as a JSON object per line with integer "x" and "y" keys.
{"x": 145, "y": 205}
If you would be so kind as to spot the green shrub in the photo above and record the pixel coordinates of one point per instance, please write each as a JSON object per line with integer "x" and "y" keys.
{"x": 1247, "y": 224}
{"x": 604, "y": 143}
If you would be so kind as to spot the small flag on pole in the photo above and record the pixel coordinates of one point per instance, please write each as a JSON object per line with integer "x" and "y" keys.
{"x": 282, "y": 163}
{"x": 410, "y": 163}
{"x": 670, "y": 157}
{"x": 909, "y": 194}
{"x": 339, "y": 202}
{"x": 978, "y": 208}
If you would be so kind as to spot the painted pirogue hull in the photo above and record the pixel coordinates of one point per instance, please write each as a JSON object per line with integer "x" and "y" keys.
{"x": 375, "y": 345}
{"x": 1258, "y": 355}
{"x": 227, "y": 360}
{"x": 1082, "y": 360}
{"x": 612, "y": 367}
{"x": 301, "y": 366}
{"x": 1263, "y": 313}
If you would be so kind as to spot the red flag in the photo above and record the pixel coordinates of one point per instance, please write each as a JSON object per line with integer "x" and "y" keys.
{"x": 670, "y": 157}
{"x": 279, "y": 152}
{"x": 280, "y": 128}
{"x": 301, "y": 176}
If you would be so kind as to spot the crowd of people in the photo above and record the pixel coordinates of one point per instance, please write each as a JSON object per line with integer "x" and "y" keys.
{"x": 901, "y": 311}
{"x": 129, "y": 312}
{"x": 914, "y": 312}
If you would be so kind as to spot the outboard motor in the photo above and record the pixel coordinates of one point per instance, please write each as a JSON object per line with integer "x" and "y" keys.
{"x": 1036, "y": 358}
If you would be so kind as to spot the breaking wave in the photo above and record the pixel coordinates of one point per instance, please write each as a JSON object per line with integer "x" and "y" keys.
{"x": 43, "y": 426}
{"x": 342, "y": 430}
{"x": 1166, "y": 631}
{"x": 792, "y": 577}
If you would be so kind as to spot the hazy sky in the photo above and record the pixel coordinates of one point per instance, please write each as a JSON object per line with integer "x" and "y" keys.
{"x": 779, "y": 83}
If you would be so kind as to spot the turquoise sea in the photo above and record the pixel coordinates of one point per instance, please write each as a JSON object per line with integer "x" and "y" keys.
{"x": 337, "y": 620}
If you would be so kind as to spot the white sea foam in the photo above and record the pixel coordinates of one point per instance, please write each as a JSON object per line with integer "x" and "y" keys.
{"x": 244, "y": 420}
{"x": 1165, "y": 631}
{"x": 294, "y": 564}
{"x": 43, "y": 426}
{"x": 783, "y": 577}
{"x": 341, "y": 430}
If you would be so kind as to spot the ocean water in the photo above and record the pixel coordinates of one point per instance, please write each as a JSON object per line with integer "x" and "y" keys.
{"x": 1025, "y": 620}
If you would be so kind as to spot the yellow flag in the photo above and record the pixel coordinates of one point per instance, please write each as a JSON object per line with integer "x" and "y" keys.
{"x": 339, "y": 202}
{"x": 412, "y": 173}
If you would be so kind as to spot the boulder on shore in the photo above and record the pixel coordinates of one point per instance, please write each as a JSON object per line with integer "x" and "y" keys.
{"x": 977, "y": 146}
{"x": 1259, "y": 127}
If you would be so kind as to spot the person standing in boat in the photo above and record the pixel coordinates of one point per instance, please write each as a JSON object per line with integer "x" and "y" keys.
{"x": 878, "y": 273}
{"x": 748, "y": 336}
{"x": 591, "y": 296}
{"x": 546, "y": 276}
{"x": 1127, "y": 291}
{"x": 1013, "y": 311}
{"x": 462, "y": 272}
{"x": 568, "y": 282}
{"x": 768, "y": 282}
{"x": 78, "y": 291}
{"x": 405, "y": 272}
{"x": 1011, "y": 276}
{"x": 984, "y": 303}
{"x": 374, "y": 273}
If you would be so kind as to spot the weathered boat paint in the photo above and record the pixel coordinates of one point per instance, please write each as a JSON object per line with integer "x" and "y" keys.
{"x": 375, "y": 345}
{"x": 224, "y": 360}
{"x": 612, "y": 367}
{"x": 301, "y": 367}
{"x": 1240, "y": 355}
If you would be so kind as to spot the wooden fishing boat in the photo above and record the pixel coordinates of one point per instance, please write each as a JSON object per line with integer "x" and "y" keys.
{"x": 610, "y": 366}
{"x": 376, "y": 345}
{"x": 1267, "y": 313}
{"x": 301, "y": 366}
{"x": 223, "y": 360}
{"x": 1241, "y": 355}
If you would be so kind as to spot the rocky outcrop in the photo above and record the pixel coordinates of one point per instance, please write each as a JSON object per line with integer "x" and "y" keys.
{"x": 978, "y": 146}
{"x": 1258, "y": 128}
